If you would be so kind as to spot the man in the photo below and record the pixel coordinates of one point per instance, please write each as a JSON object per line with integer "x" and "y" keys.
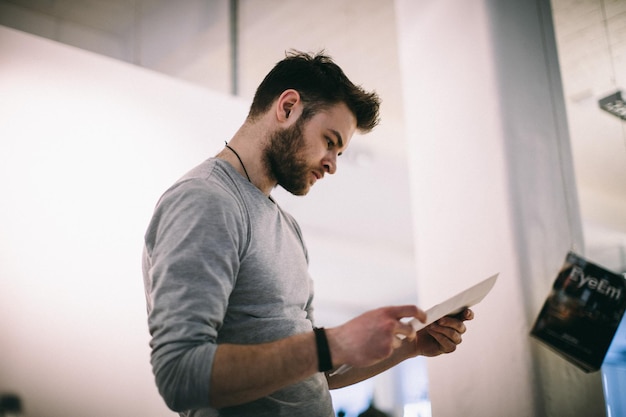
{"x": 225, "y": 269}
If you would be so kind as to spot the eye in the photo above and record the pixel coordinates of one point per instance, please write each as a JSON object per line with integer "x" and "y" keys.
{"x": 329, "y": 142}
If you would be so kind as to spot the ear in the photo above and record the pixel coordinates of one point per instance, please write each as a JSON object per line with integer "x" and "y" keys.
{"x": 289, "y": 106}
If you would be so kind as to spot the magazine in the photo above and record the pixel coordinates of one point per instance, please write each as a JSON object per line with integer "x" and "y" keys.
{"x": 582, "y": 312}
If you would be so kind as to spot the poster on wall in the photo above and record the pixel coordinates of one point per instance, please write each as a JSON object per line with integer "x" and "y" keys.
{"x": 582, "y": 312}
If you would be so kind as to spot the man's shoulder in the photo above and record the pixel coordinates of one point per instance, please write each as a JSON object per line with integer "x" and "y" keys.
{"x": 208, "y": 186}
{"x": 211, "y": 177}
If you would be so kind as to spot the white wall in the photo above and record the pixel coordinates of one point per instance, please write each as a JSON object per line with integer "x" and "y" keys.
{"x": 87, "y": 145}
{"x": 493, "y": 190}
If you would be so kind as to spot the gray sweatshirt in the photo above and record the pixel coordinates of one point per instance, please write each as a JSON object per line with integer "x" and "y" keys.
{"x": 223, "y": 263}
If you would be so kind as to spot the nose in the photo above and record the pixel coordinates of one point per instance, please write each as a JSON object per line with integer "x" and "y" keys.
{"x": 330, "y": 163}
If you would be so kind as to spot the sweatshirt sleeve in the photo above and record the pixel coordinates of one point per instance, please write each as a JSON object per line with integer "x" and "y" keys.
{"x": 191, "y": 258}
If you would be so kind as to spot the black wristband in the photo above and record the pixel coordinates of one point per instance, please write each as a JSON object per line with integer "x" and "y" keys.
{"x": 325, "y": 363}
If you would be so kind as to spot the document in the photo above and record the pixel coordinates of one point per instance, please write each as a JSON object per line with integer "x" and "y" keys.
{"x": 454, "y": 305}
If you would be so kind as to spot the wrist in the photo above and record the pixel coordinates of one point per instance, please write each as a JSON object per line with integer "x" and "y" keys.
{"x": 324, "y": 357}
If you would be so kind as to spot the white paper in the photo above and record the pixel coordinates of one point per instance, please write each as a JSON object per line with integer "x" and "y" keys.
{"x": 454, "y": 305}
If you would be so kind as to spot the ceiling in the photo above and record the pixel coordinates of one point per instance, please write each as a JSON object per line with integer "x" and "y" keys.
{"x": 591, "y": 40}
{"x": 195, "y": 46}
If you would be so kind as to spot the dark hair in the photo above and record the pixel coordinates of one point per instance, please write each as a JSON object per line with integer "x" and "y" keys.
{"x": 321, "y": 83}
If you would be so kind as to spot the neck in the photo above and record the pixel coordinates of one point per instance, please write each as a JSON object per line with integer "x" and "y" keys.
{"x": 246, "y": 156}
{"x": 239, "y": 159}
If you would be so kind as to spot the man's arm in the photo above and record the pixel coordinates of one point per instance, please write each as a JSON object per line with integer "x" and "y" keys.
{"x": 243, "y": 373}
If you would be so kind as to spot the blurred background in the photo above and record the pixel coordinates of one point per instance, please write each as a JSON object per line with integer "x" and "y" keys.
{"x": 104, "y": 103}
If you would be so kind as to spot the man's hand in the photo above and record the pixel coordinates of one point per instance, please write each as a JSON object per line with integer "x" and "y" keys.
{"x": 372, "y": 336}
{"x": 442, "y": 336}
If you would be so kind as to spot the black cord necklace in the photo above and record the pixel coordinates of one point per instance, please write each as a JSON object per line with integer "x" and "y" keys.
{"x": 240, "y": 161}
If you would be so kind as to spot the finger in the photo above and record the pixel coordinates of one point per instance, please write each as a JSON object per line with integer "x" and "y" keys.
{"x": 452, "y": 323}
{"x": 421, "y": 315}
{"x": 448, "y": 341}
{"x": 408, "y": 311}
{"x": 397, "y": 342}
{"x": 466, "y": 314}
{"x": 404, "y": 330}
{"x": 450, "y": 333}
{"x": 446, "y": 345}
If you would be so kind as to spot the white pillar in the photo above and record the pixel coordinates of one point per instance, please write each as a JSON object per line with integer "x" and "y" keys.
{"x": 493, "y": 191}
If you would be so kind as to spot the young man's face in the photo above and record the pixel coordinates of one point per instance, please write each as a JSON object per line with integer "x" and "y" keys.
{"x": 300, "y": 155}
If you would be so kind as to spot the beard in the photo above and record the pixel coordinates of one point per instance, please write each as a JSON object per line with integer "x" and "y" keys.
{"x": 284, "y": 162}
